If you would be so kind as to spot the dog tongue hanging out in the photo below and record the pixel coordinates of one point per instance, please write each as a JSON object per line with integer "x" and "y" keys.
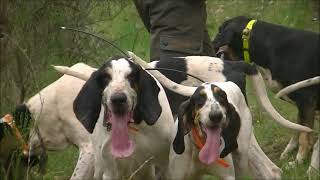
{"x": 211, "y": 149}
{"x": 121, "y": 145}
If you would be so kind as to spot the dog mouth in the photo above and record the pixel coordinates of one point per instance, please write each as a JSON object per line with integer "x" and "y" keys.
{"x": 211, "y": 136}
{"x": 121, "y": 144}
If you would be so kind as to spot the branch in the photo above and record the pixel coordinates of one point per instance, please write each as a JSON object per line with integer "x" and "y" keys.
{"x": 140, "y": 167}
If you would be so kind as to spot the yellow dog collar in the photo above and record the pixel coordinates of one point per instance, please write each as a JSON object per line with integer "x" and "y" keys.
{"x": 245, "y": 40}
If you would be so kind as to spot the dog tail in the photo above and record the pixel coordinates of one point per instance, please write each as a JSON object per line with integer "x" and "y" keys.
{"x": 264, "y": 101}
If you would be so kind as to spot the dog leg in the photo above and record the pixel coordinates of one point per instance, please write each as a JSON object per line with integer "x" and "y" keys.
{"x": 241, "y": 163}
{"x": 305, "y": 145}
{"x": 85, "y": 165}
{"x": 313, "y": 169}
{"x": 293, "y": 143}
{"x": 260, "y": 165}
{"x": 306, "y": 118}
{"x": 223, "y": 172}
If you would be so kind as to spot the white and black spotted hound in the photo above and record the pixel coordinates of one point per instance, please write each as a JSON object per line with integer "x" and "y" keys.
{"x": 129, "y": 116}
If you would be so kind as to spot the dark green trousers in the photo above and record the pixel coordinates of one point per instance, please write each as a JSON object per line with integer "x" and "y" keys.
{"x": 177, "y": 27}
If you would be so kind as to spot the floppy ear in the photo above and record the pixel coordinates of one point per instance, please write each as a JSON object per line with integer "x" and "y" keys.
{"x": 87, "y": 104}
{"x": 223, "y": 38}
{"x": 148, "y": 106}
{"x": 230, "y": 133}
{"x": 184, "y": 114}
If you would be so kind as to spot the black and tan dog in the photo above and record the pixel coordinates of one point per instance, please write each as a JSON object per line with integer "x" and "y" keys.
{"x": 285, "y": 56}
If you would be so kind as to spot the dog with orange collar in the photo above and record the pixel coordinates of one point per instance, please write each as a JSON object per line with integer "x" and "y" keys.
{"x": 220, "y": 125}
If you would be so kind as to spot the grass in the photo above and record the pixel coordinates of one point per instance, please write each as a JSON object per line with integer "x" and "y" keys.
{"x": 128, "y": 32}
{"x": 61, "y": 164}
{"x": 274, "y": 138}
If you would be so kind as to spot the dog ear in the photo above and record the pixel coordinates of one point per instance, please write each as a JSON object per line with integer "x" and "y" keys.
{"x": 223, "y": 38}
{"x": 148, "y": 105}
{"x": 87, "y": 104}
{"x": 230, "y": 133}
{"x": 184, "y": 114}
{"x": 230, "y": 30}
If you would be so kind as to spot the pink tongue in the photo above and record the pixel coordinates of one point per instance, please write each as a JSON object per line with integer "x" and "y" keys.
{"x": 121, "y": 145}
{"x": 210, "y": 152}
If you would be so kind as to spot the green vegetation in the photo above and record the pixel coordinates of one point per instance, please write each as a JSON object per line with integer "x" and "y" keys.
{"x": 34, "y": 42}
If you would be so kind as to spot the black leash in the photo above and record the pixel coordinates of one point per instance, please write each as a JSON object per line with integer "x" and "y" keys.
{"x": 123, "y": 52}
{"x": 96, "y": 36}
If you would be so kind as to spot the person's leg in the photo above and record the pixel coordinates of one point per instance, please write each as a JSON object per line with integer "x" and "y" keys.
{"x": 177, "y": 28}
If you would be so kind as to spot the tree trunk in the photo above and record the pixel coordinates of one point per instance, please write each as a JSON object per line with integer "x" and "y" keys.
{"x": 3, "y": 28}
{"x": 3, "y": 41}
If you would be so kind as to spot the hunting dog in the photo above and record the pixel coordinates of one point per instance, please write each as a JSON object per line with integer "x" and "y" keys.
{"x": 285, "y": 56}
{"x": 129, "y": 116}
{"x": 56, "y": 126}
{"x": 218, "y": 115}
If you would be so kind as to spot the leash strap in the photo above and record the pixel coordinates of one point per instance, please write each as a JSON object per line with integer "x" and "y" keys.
{"x": 245, "y": 40}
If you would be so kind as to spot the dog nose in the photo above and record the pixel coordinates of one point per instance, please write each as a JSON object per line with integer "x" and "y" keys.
{"x": 215, "y": 116}
{"x": 119, "y": 98}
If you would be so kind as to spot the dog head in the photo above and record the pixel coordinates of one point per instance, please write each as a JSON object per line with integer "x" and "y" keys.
{"x": 128, "y": 94}
{"x": 210, "y": 113}
{"x": 228, "y": 41}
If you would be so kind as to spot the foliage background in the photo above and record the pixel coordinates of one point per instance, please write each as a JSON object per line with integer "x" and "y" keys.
{"x": 32, "y": 41}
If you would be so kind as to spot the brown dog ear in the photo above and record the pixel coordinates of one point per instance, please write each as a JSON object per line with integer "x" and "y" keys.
{"x": 184, "y": 114}
{"x": 231, "y": 132}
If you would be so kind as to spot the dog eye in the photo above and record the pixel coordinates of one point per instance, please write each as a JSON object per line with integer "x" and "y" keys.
{"x": 131, "y": 77}
{"x": 200, "y": 101}
{"x": 222, "y": 97}
{"x": 105, "y": 78}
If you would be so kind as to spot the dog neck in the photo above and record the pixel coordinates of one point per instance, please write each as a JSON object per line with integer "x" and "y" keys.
{"x": 262, "y": 42}
{"x": 245, "y": 40}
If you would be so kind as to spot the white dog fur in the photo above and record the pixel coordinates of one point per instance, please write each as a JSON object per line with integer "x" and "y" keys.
{"x": 58, "y": 127}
